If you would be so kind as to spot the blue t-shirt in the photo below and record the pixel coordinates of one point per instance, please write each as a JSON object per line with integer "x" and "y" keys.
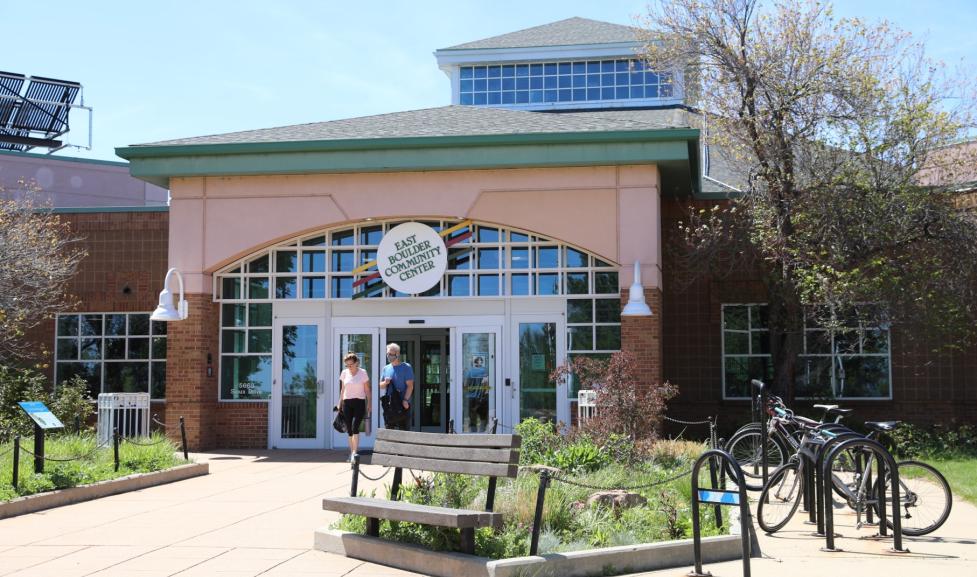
{"x": 398, "y": 375}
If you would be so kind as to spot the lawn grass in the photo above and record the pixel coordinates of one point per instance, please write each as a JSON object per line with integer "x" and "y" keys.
{"x": 961, "y": 473}
{"x": 156, "y": 454}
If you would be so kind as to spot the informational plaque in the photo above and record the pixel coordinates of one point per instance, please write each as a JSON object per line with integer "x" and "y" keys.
{"x": 42, "y": 415}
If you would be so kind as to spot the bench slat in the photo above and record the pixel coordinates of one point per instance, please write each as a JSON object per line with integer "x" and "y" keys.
{"x": 452, "y": 453}
{"x": 448, "y": 440}
{"x": 446, "y": 466}
{"x": 400, "y": 511}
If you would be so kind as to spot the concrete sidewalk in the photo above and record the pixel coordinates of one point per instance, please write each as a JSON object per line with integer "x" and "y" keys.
{"x": 256, "y": 511}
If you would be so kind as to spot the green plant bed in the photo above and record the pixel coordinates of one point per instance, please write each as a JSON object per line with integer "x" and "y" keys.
{"x": 96, "y": 466}
{"x": 570, "y": 524}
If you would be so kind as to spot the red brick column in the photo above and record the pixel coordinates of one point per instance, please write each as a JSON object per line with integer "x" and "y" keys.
{"x": 190, "y": 393}
{"x": 642, "y": 336}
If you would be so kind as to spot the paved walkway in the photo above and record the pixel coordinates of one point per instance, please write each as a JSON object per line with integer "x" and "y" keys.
{"x": 255, "y": 513}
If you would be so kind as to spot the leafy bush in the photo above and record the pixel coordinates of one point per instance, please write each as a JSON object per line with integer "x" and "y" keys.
{"x": 583, "y": 455}
{"x": 539, "y": 438}
{"x": 913, "y": 441}
{"x": 69, "y": 401}
{"x": 626, "y": 403}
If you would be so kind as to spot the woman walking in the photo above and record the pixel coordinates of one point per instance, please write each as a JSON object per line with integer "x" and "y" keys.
{"x": 354, "y": 395}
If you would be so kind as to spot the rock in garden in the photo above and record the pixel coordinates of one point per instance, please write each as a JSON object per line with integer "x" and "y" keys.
{"x": 619, "y": 499}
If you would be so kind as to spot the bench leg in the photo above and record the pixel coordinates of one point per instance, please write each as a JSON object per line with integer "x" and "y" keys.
{"x": 372, "y": 527}
{"x": 468, "y": 540}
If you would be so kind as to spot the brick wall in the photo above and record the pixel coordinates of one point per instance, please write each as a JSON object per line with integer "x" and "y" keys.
{"x": 642, "y": 336}
{"x": 190, "y": 392}
{"x": 242, "y": 425}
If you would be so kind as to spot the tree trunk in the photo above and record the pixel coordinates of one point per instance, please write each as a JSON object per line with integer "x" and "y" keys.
{"x": 786, "y": 320}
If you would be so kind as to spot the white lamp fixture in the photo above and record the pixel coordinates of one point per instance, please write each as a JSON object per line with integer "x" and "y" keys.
{"x": 636, "y": 307}
{"x": 166, "y": 311}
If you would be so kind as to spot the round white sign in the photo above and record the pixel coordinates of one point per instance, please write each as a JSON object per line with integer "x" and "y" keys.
{"x": 412, "y": 258}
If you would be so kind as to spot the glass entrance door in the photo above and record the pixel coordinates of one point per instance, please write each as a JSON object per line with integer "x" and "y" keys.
{"x": 478, "y": 398}
{"x": 538, "y": 347}
{"x": 298, "y": 388}
{"x": 363, "y": 342}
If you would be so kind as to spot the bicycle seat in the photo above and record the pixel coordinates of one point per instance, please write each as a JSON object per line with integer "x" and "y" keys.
{"x": 837, "y": 411}
{"x": 826, "y": 407}
{"x": 882, "y": 426}
{"x": 805, "y": 421}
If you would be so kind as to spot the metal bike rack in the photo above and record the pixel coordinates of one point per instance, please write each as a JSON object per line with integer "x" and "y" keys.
{"x": 885, "y": 463}
{"x": 814, "y": 474}
{"x": 764, "y": 432}
{"x": 719, "y": 496}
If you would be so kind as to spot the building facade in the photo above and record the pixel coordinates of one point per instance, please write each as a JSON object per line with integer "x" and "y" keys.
{"x": 561, "y": 163}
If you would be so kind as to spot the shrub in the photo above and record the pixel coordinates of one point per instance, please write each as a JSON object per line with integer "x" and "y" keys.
{"x": 582, "y": 455}
{"x": 71, "y": 401}
{"x": 911, "y": 441}
{"x": 626, "y": 403}
{"x": 18, "y": 385}
{"x": 539, "y": 438}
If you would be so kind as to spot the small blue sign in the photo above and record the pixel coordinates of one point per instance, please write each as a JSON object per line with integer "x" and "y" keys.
{"x": 719, "y": 497}
{"x": 42, "y": 415}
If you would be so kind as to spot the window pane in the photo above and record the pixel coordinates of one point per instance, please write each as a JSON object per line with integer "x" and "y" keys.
{"x": 863, "y": 377}
{"x": 608, "y": 338}
{"x": 371, "y": 234}
{"x": 232, "y": 341}
{"x": 537, "y": 359}
{"x": 846, "y": 342}
{"x": 577, "y": 283}
{"x": 315, "y": 241}
{"x": 737, "y": 375}
{"x": 458, "y": 285}
{"x": 259, "y": 265}
{"x": 314, "y": 261}
{"x": 90, "y": 372}
{"x": 343, "y": 238}
{"x": 521, "y": 285}
{"x": 126, "y": 377}
{"x": 91, "y": 325}
{"x": 159, "y": 327}
{"x": 258, "y": 288}
{"x": 233, "y": 315}
{"x": 342, "y": 261}
{"x": 736, "y": 318}
{"x": 67, "y": 349}
{"x": 575, "y": 258}
{"x": 488, "y": 258}
{"x": 580, "y": 338}
{"x": 259, "y": 315}
{"x": 91, "y": 349}
{"x": 608, "y": 310}
{"x": 68, "y": 325}
{"x": 760, "y": 342}
{"x": 758, "y": 317}
{"x": 115, "y": 349}
{"x": 159, "y": 347}
{"x": 158, "y": 390}
{"x": 486, "y": 234}
{"x": 246, "y": 377}
{"x": 139, "y": 348}
{"x": 519, "y": 258}
{"x": 580, "y": 311}
{"x": 875, "y": 341}
{"x": 518, "y": 236}
{"x": 286, "y": 261}
{"x": 818, "y": 342}
{"x": 115, "y": 325}
{"x": 231, "y": 288}
{"x": 460, "y": 260}
{"x": 342, "y": 287}
{"x": 259, "y": 341}
{"x": 138, "y": 324}
{"x": 286, "y": 287}
{"x": 814, "y": 377}
{"x": 547, "y": 257}
{"x": 736, "y": 343}
{"x": 488, "y": 285}
{"x": 314, "y": 287}
{"x": 605, "y": 282}
{"x": 549, "y": 284}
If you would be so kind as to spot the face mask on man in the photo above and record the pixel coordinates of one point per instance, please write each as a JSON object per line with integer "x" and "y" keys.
{"x": 391, "y": 357}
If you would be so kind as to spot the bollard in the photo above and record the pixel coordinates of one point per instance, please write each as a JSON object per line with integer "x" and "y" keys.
{"x": 183, "y": 437}
{"x": 356, "y": 476}
{"x": 16, "y": 460}
{"x": 764, "y": 433}
{"x": 77, "y": 424}
{"x": 115, "y": 447}
{"x": 38, "y": 449}
{"x": 495, "y": 424}
{"x": 544, "y": 481}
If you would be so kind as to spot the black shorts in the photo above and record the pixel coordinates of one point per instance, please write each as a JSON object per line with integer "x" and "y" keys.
{"x": 353, "y": 412}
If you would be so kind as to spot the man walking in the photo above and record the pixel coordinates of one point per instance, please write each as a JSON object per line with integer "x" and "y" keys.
{"x": 399, "y": 377}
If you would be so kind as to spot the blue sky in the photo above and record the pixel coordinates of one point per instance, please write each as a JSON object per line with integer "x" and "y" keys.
{"x": 159, "y": 70}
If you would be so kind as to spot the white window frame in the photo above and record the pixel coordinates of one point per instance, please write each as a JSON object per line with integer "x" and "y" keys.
{"x": 749, "y": 329}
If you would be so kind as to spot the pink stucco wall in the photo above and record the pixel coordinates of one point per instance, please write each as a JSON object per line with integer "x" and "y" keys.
{"x": 610, "y": 211}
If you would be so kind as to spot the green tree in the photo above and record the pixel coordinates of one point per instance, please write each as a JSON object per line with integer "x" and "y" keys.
{"x": 38, "y": 257}
{"x": 833, "y": 123}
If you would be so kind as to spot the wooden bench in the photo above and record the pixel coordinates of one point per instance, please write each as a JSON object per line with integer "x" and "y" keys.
{"x": 490, "y": 456}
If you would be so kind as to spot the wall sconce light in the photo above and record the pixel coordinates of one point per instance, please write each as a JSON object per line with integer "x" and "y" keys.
{"x": 636, "y": 307}
{"x": 166, "y": 311}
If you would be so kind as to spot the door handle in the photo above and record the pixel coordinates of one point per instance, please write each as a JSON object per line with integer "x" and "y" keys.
{"x": 320, "y": 387}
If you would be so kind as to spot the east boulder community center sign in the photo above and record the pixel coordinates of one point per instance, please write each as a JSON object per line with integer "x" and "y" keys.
{"x": 412, "y": 258}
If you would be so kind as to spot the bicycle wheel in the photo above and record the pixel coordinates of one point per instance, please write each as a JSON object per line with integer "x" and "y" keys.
{"x": 780, "y": 498}
{"x": 745, "y": 448}
{"x": 924, "y": 496}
